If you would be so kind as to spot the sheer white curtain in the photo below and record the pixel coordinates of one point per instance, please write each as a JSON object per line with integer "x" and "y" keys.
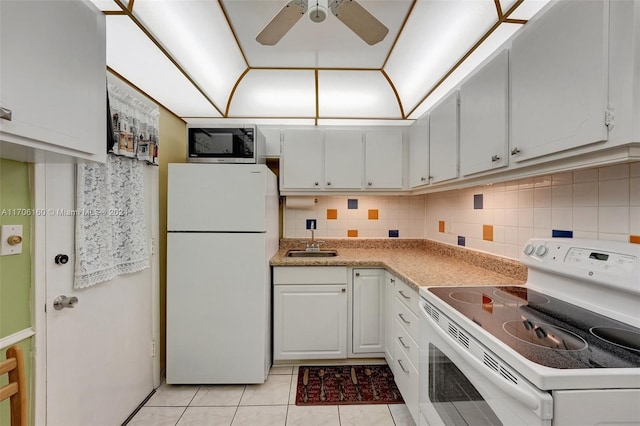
{"x": 110, "y": 221}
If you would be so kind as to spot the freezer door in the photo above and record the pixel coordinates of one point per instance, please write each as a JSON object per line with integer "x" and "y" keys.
{"x": 218, "y": 308}
{"x": 217, "y": 197}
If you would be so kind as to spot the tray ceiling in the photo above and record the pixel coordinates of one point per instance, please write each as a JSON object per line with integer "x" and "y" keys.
{"x": 200, "y": 58}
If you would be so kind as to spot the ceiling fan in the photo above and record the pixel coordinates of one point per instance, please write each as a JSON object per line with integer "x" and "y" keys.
{"x": 349, "y": 12}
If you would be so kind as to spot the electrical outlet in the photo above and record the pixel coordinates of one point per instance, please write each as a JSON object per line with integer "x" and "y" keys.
{"x": 11, "y": 240}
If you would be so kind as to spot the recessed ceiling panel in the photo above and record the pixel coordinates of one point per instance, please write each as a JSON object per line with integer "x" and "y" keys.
{"x": 437, "y": 35}
{"x": 131, "y": 54}
{"x": 493, "y": 43}
{"x": 327, "y": 44}
{"x": 356, "y": 94}
{"x": 528, "y": 9}
{"x": 197, "y": 36}
{"x": 275, "y": 93}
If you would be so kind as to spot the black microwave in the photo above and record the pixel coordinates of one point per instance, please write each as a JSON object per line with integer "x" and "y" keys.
{"x": 225, "y": 145}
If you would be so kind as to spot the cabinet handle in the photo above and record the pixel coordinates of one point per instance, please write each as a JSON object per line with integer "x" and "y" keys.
{"x": 5, "y": 113}
{"x": 402, "y": 367}
{"x": 495, "y": 158}
{"x": 316, "y": 183}
{"x": 392, "y": 280}
{"x": 369, "y": 183}
{"x": 404, "y": 320}
{"x": 344, "y": 290}
{"x": 357, "y": 274}
{"x": 423, "y": 179}
{"x": 402, "y": 343}
{"x": 404, "y": 295}
{"x": 328, "y": 183}
{"x": 430, "y": 177}
{"x": 515, "y": 151}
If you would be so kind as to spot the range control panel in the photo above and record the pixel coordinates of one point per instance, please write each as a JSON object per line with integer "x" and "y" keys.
{"x": 609, "y": 262}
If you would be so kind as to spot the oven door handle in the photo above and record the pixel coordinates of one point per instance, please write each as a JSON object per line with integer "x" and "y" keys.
{"x": 530, "y": 400}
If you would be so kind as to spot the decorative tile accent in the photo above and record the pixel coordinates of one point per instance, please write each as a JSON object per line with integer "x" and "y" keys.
{"x": 373, "y": 214}
{"x": 394, "y": 233}
{"x": 332, "y": 214}
{"x": 461, "y": 241}
{"x": 478, "y": 201}
{"x": 634, "y": 239}
{"x": 441, "y": 226}
{"x": 352, "y": 233}
{"x": 352, "y": 203}
{"x": 557, "y": 233}
{"x": 487, "y": 232}
{"x": 312, "y": 224}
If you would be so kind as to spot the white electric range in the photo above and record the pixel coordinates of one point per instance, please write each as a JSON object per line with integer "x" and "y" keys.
{"x": 564, "y": 349}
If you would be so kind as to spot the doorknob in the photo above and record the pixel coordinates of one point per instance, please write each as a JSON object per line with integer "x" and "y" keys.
{"x": 62, "y": 302}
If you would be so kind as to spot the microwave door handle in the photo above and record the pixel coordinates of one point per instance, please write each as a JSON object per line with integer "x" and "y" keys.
{"x": 528, "y": 399}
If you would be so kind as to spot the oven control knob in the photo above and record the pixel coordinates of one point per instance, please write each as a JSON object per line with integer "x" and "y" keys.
{"x": 541, "y": 251}
{"x": 528, "y": 249}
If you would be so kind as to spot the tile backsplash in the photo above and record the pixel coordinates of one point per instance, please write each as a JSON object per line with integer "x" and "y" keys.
{"x": 359, "y": 217}
{"x": 598, "y": 203}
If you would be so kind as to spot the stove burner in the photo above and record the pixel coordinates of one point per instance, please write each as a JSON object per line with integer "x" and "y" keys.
{"x": 619, "y": 337}
{"x": 471, "y": 297}
{"x": 544, "y": 335}
{"x": 521, "y": 295}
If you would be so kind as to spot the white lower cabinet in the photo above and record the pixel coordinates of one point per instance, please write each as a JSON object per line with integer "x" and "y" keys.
{"x": 405, "y": 350}
{"x": 368, "y": 320}
{"x": 310, "y": 313}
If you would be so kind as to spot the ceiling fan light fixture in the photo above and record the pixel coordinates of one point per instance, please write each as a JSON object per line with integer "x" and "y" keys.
{"x": 318, "y": 12}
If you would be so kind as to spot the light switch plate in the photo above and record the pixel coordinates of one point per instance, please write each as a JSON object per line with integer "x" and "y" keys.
{"x": 7, "y": 231}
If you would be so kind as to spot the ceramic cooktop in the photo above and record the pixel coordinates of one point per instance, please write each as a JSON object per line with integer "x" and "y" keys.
{"x": 546, "y": 330}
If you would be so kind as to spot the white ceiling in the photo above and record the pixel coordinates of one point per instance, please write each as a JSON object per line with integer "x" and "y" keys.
{"x": 200, "y": 59}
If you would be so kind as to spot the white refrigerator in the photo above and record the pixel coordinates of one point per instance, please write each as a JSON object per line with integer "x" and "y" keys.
{"x": 222, "y": 223}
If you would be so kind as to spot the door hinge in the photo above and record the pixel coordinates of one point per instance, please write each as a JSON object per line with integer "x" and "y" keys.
{"x": 608, "y": 117}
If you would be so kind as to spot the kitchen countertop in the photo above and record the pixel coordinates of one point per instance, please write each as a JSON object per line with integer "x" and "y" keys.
{"x": 416, "y": 262}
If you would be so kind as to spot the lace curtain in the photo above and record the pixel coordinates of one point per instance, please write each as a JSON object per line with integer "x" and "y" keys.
{"x": 110, "y": 223}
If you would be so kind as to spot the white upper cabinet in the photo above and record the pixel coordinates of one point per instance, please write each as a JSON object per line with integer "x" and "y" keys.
{"x": 302, "y": 159}
{"x": 343, "y": 165}
{"x": 443, "y": 140}
{"x": 484, "y": 115}
{"x": 419, "y": 152}
{"x": 559, "y": 74}
{"x": 383, "y": 159}
{"x": 53, "y": 77}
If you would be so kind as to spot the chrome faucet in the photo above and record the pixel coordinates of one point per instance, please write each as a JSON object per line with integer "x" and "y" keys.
{"x": 313, "y": 245}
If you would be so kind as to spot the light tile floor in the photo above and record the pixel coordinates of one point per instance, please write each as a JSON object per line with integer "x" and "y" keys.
{"x": 268, "y": 404}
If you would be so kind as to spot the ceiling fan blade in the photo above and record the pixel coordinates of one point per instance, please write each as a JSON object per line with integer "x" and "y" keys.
{"x": 359, "y": 20}
{"x": 282, "y": 22}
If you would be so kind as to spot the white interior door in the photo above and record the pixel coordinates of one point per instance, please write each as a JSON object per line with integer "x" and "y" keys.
{"x": 99, "y": 360}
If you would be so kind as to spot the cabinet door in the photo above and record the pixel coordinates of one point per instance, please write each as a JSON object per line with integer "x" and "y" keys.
{"x": 559, "y": 74}
{"x": 484, "y": 117}
{"x": 383, "y": 159}
{"x": 419, "y": 152}
{"x": 389, "y": 315}
{"x": 443, "y": 140}
{"x": 53, "y": 76}
{"x": 302, "y": 159}
{"x": 309, "y": 322}
{"x": 343, "y": 154}
{"x": 368, "y": 311}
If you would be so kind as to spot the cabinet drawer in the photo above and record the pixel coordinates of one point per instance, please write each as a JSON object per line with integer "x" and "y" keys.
{"x": 406, "y": 318}
{"x": 406, "y": 376}
{"x": 408, "y": 296}
{"x": 310, "y": 275}
{"x": 408, "y": 344}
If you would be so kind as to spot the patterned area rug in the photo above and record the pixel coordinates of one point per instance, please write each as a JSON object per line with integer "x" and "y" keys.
{"x": 347, "y": 384}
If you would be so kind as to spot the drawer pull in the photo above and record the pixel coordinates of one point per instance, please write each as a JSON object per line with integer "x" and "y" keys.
{"x": 402, "y": 343}
{"x": 404, "y": 320}
{"x": 392, "y": 280}
{"x": 404, "y": 295}
{"x": 402, "y": 367}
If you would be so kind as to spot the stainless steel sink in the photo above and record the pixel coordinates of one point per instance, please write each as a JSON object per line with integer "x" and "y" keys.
{"x": 305, "y": 253}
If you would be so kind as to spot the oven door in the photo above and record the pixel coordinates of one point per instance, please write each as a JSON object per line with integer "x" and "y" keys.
{"x": 462, "y": 383}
